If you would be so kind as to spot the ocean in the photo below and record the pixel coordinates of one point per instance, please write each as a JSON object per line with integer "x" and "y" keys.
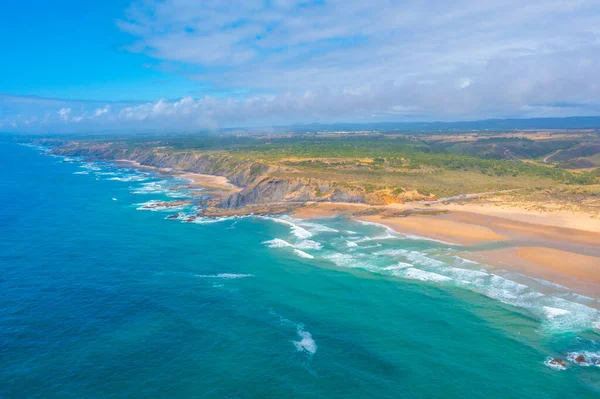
{"x": 103, "y": 296}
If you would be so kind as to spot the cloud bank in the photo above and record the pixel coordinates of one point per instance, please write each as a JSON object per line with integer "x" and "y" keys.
{"x": 351, "y": 60}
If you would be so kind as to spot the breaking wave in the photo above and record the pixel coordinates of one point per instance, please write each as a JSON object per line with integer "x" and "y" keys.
{"x": 226, "y": 276}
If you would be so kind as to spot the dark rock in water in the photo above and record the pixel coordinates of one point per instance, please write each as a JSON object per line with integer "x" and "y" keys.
{"x": 189, "y": 219}
{"x": 173, "y": 217}
{"x": 557, "y": 362}
{"x": 580, "y": 359}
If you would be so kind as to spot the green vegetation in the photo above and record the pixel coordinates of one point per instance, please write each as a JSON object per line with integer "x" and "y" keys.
{"x": 446, "y": 164}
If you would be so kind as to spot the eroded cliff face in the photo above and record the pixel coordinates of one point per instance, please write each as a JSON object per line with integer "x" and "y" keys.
{"x": 270, "y": 189}
{"x": 239, "y": 172}
{"x": 260, "y": 183}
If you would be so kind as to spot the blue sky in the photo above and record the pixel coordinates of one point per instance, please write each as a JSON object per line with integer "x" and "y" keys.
{"x": 189, "y": 65}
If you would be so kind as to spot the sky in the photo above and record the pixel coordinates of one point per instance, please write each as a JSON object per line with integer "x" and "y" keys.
{"x": 191, "y": 65}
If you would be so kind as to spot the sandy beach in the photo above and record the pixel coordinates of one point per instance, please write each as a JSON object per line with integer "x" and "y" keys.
{"x": 217, "y": 186}
{"x": 209, "y": 181}
{"x": 435, "y": 227}
{"x": 560, "y": 247}
{"x": 563, "y": 248}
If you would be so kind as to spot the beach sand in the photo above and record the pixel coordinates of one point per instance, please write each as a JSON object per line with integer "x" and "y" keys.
{"x": 580, "y": 273}
{"x": 217, "y": 186}
{"x": 209, "y": 181}
{"x": 538, "y": 244}
{"x": 560, "y": 247}
{"x": 437, "y": 228}
{"x": 582, "y": 267}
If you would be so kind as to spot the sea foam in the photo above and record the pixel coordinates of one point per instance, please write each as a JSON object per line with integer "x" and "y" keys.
{"x": 227, "y": 276}
{"x": 307, "y": 343}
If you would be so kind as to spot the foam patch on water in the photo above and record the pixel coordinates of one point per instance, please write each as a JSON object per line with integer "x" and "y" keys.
{"x": 129, "y": 178}
{"x": 342, "y": 260}
{"x": 90, "y": 166}
{"x": 154, "y": 187}
{"x": 417, "y": 274}
{"x": 205, "y": 220}
{"x": 552, "y": 313}
{"x": 415, "y": 257}
{"x": 358, "y": 261}
{"x": 154, "y": 206}
{"x": 226, "y": 276}
{"x": 308, "y": 244}
{"x": 590, "y": 359}
{"x": 557, "y": 308}
{"x": 398, "y": 266}
{"x": 550, "y": 362}
{"x": 351, "y": 244}
{"x": 307, "y": 343}
{"x": 566, "y": 315}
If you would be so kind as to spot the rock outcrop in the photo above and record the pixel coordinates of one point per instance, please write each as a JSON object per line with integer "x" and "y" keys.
{"x": 260, "y": 183}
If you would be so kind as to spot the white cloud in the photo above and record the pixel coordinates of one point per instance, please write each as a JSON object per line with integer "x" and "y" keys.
{"x": 101, "y": 111}
{"x": 351, "y": 60}
{"x": 64, "y": 113}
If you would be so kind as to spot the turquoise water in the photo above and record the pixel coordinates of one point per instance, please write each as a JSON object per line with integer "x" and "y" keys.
{"x": 100, "y": 298}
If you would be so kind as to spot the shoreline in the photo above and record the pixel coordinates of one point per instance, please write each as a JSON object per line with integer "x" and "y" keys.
{"x": 537, "y": 244}
{"x": 548, "y": 251}
{"x": 216, "y": 186}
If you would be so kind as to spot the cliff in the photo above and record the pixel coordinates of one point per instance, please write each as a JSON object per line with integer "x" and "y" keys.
{"x": 260, "y": 183}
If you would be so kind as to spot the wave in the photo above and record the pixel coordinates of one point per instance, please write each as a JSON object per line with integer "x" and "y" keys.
{"x": 277, "y": 243}
{"x": 211, "y": 220}
{"x": 153, "y": 187}
{"x": 155, "y": 206}
{"x": 414, "y": 256}
{"x": 308, "y": 244}
{"x": 130, "y": 178}
{"x": 296, "y": 229}
{"x": 558, "y": 309}
{"x": 398, "y": 266}
{"x": 90, "y": 166}
{"x": 226, "y": 276}
{"x": 303, "y": 254}
{"x": 418, "y": 274}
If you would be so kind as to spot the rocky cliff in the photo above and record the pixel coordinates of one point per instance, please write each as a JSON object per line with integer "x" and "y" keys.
{"x": 260, "y": 183}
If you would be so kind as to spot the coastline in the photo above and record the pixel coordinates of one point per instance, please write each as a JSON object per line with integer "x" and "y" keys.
{"x": 215, "y": 186}
{"x": 559, "y": 247}
{"x": 550, "y": 249}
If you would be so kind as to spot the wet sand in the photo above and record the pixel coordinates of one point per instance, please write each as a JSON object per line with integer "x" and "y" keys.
{"x": 438, "y": 228}
{"x": 550, "y": 249}
{"x": 217, "y": 186}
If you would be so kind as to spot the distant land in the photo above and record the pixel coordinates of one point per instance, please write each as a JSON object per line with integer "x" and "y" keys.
{"x": 484, "y": 125}
{"x": 576, "y": 122}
